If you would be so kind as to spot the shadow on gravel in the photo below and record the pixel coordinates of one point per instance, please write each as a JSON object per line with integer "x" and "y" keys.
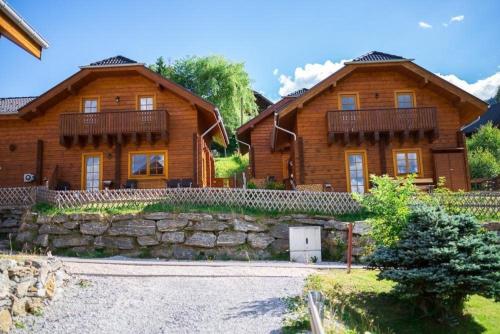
{"x": 271, "y": 307}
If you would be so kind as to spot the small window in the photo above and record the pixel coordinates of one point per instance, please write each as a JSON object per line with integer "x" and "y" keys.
{"x": 146, "y": 164}
{"x": 407, "y": 162}
{"x": 348, "y": 102}
{"x": 405, "y": 100}
{"x": 90, "y": 105}
{"x": 146, "y": 103}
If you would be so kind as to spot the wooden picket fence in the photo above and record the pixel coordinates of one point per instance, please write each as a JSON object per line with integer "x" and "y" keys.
{"x": 476, "y": 203}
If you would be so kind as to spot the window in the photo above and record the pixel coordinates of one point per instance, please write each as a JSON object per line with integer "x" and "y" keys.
{"x": 405, "y": 100}
{"x": 357, "y": 173}
{"x": 348, "y": 101}
{"x": 146, "y": 103}
{"x": 407, "y": 162}
{"x": 147, "y": 164}
{"x": 90, "y": 105}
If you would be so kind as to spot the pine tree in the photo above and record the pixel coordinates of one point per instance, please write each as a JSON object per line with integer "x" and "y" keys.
{"x": 440, "y": 260}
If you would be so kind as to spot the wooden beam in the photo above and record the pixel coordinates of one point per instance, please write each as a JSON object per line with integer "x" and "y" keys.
{"x": 160, "y": 87}
{"x": 134, "y": 138}
{"x": 301, "y": 160}
{"x": 118, "y": 158}
{"x": 331, "y": 138}
{"x": 119, "y": 138}
{"x": 424, "y": 82}
{"x": 13, "y": 32}
{"x": 383, "y": 160}
{"x": 149, "y": 137}
{"x": 164, "y": 137}
{"x": 39, "y": 161}
{"x": 195, "y": 158}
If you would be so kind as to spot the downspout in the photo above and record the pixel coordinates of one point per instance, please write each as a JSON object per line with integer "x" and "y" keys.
{"x": 217, "y": 122}
{"x": 293, "y": 134}
{"x": 249, "y": 152}
{"x": 283, "y": 129}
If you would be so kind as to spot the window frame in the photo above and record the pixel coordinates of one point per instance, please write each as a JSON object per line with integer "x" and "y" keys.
{"x": 83, "y": 180}
{"x": 355, "y": 94}
{"x": 365, "y": 168}
{"x": 86, "y": 98}
{"x": 405, "y": 91}
{"x": 406, "y": 151}
{"x": 148, "y": 161}
{"x": 138, "y": 101}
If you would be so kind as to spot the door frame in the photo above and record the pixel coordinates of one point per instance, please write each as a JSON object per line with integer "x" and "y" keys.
{"x": 365, "y": 168}
{"x": 84, "y": 168}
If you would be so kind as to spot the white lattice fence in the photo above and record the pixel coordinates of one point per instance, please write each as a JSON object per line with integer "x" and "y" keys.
{"x": 17, "y": 197}
{"x": 270, "y": 200}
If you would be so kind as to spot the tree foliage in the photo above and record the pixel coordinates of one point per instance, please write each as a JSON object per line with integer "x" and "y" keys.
{"x": 214, "y": 78}
{"x": 440, "y": 260}
{"x": 484, "y": 152}
{"x": 389, "y": 201}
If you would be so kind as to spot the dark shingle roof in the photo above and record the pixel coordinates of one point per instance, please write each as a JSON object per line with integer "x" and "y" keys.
{"x": 113, "y": 61}
{"x": 10, "y": 105}
{"x": 298, "y": 93}
{"x": 491, "y": 115}
{"x": 376, "y": 56}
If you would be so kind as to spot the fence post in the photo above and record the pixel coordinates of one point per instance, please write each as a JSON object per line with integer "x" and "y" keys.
{"x": 349, "y": 248}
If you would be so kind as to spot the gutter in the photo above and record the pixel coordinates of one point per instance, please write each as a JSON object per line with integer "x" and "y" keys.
{"x": 218, "y": 121}
{"x": 283, "y": 129}
{"x": 4, "y": 7}
{"x": 471, "y": 123}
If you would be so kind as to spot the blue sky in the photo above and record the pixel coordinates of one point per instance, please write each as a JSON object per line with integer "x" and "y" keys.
{"x": 275, "y": 38}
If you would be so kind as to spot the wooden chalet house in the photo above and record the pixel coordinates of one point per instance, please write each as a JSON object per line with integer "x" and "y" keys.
{"x": 113, "y": 124}
{"x": 379, "y": 114}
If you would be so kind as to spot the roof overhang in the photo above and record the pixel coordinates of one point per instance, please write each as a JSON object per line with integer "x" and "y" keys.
{"x": 89, "y": 73}
{"x": 13, "y": 27}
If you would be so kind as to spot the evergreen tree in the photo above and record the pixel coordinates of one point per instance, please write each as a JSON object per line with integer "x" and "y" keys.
{"x": 440, "y": 260}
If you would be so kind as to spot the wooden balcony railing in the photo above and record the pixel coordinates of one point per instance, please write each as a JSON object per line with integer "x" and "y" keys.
{"x": 114, "y": 123}
{"x": 378, "y": 121}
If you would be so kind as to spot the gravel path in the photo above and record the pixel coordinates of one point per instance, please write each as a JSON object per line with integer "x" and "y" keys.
{"x": 123, "y": 298}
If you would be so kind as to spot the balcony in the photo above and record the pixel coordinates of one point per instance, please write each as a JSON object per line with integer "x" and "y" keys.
{"x": 113, "y": 125}
{"x": 404, "y": 122}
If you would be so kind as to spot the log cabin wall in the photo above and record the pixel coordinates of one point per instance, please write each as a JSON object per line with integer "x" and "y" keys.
{"x": 18, "y": 138}
{"x": 266, "y": 162}
{"x": 324, "y": 163}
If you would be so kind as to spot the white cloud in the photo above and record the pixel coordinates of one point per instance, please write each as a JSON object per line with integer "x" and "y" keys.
{"x": 275, "y": 71}
{"x": 458, "y": 18}
{"x": 482, "y": 88}
{"x": 311, "y": 74}
{"x": 424, "y": 25}
{"x": 307, "y": 76}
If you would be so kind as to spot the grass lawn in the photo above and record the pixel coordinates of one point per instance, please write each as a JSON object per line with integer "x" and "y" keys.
{"x": 360, "y": 303}
{"x": 226, "y": 167}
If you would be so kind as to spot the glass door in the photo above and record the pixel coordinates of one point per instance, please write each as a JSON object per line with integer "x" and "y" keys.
{"x": 92, "y": 172}
{"x": 356, "y": 172}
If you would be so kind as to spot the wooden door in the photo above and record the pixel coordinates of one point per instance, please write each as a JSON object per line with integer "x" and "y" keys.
{"x": 452, "y": 167}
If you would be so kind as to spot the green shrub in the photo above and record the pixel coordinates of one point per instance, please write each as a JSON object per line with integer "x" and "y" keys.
{"x": 484, "y": 152}
{"x": 389, "y": 203}
{"x": 251, "y": 185}
{"x": 440, "y": 260}
{"x": 483, "y": 164}
{"x": 273, "y": 185}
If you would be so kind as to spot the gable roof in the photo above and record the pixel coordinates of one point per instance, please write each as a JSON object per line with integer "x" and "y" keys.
{"x": 471, "y": 106}
{"x": 298, "y": 93}
{"x": 10, "y": 105}
{"x": 112, "y": 61}
{"x": 36, "y": 106}
{"x": 491, "y": 115}
{"x": 261, "y": 101}
{"x": 377, "y": 56}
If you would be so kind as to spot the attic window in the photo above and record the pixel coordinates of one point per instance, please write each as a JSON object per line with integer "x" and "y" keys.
{"x": 405, "y": 100}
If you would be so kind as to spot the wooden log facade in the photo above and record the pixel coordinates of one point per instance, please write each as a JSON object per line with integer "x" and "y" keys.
{"x": 379, "y": 114}
{"x": 52, "y": 137}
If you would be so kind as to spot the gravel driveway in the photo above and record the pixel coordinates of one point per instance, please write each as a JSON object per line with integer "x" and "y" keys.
{"x": 149, "y": 298}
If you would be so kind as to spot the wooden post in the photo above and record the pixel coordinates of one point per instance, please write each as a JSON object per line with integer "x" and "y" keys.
{"x": 39, "y": 161}
{"x": 118, "y": 158}
{"x": 349, "y": 247}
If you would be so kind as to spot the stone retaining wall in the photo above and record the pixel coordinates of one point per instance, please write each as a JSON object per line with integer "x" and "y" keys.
{"x": 26, "y": 284}
{"x": 182, "y": 235}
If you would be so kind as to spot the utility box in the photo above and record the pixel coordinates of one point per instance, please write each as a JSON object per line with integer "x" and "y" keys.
{"x": 305, "y": 244}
